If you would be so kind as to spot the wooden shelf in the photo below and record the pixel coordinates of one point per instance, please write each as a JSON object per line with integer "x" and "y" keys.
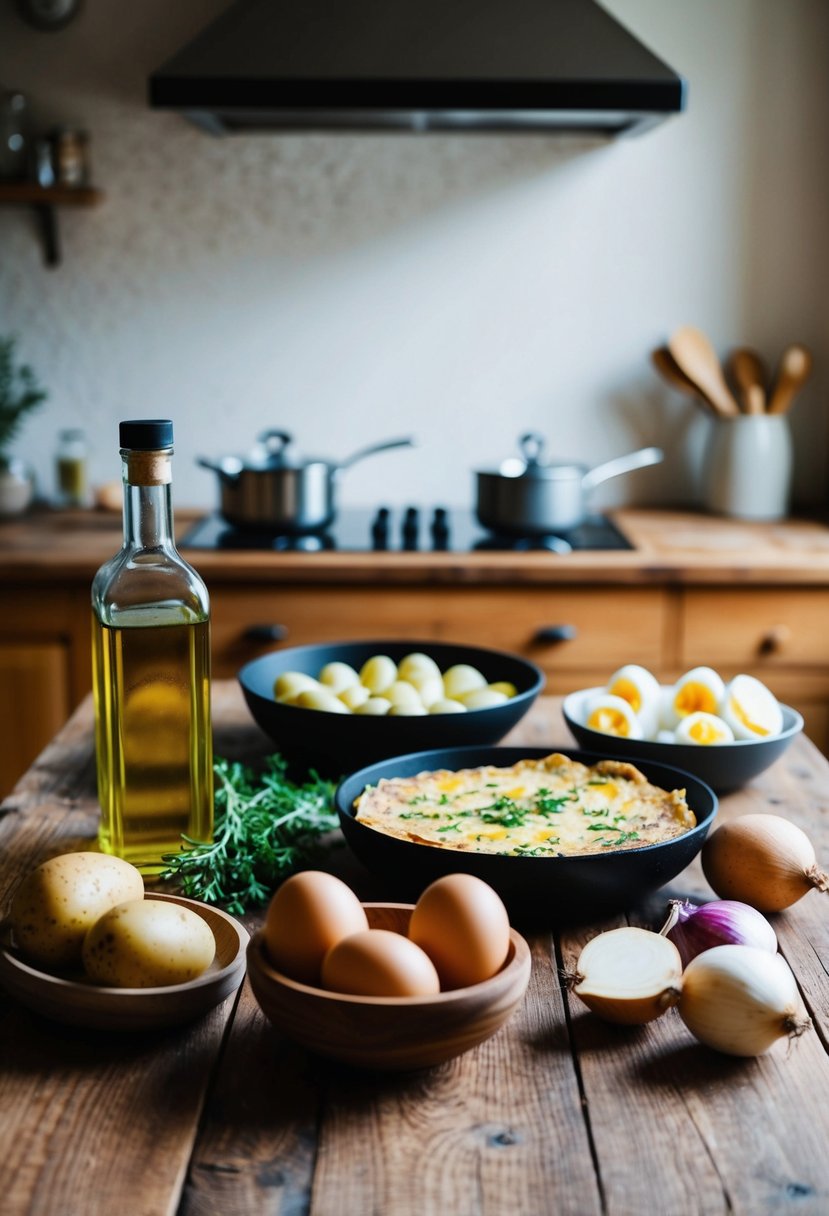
{"x": 45, "y": 200}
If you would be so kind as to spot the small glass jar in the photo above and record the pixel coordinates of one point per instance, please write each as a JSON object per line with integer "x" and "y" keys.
{"x": 70, "y": 467}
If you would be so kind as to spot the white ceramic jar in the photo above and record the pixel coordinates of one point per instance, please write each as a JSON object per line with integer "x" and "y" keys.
{"x": 747, "y": 466}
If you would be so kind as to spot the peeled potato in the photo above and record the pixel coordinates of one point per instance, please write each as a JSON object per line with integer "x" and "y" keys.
{"x": 429, "y": 687}
{"x": 148, "y": 943}
{"x": 378, "y": 673}
{"x": 59, "y": 901}
{"x": 338, "y": 676}
{"x": 414, "y": 710}
{"x": 445, "y": 706}
{"x": 321, "y": 698}
{"x": 462, "y": 678}
{"x": 509, "y": 690}
{"x": 483, "y": 698}
{"x": 290, "y": 684}
{"x": 374, "y": 707}
{"x": 403, "y": 693}
{"x": 417, "y": 665}
{"x": 354, "y": 696}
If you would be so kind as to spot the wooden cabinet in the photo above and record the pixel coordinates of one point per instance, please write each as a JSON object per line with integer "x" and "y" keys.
{"x": 576, "y": 635}
{"x": 44, "y": 671}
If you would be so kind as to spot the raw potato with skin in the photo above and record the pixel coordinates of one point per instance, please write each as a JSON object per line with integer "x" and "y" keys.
{"x": 59, "y": 901}
{"x": 148, "y": 944}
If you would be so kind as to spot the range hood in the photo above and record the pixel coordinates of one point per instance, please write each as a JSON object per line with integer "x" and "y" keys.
{"x": 418, "y": 65}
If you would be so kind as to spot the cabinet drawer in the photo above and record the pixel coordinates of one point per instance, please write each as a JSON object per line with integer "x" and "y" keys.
{"x": 560, "y": 629}
{"x": 35, "y": 705}
{"x": 755, "y": 628}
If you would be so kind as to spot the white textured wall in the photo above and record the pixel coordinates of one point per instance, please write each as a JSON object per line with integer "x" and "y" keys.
{"x": 355, "y": 287}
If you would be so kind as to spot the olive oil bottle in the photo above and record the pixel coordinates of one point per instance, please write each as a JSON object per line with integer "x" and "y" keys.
{"x": 151, "y": 669}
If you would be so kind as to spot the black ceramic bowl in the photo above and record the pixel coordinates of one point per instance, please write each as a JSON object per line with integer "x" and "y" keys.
{"x": 723, "y": 766}
{"x": 547, "y": 890}
{"x": 335, "y": 744}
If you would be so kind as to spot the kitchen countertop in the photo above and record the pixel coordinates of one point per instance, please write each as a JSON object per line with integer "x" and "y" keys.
{"x": 558, "y": 1113}
{"x": 669, "y": 547}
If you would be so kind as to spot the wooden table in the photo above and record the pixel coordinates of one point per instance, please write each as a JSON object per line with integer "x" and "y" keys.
{"x": 558, "y": 1113}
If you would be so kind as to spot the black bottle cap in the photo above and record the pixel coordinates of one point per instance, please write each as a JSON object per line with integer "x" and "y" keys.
{"x": 146, "y": 434}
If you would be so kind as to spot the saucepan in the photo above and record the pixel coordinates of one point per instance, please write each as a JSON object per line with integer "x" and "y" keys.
{"x": 528, "y": 496}
{"x": 274, "y": 490}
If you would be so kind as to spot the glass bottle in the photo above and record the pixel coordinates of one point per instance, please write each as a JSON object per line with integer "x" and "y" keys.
{"x": 151, "y": 670}
{"x": 70, "y": 467}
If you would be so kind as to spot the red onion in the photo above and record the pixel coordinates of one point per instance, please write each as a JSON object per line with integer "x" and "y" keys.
{"x": 723, "y": 922}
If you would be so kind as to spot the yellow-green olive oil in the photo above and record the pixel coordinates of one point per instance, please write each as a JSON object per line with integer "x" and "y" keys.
{"x": 151, "y": 684}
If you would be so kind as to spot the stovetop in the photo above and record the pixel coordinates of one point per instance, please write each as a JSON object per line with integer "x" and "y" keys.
{"x": 403, "y": 529}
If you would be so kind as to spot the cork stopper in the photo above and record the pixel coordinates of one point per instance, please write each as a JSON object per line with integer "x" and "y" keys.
{"x": 149, "y": 468}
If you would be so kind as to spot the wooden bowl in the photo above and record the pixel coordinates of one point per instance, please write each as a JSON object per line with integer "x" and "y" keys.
{"x": 77, "y": 1001}
{"x": 389, "y": 1033}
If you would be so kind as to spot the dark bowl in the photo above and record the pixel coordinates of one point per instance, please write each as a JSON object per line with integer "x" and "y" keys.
{"x": 723, "y": 766}
{"x": 334, "y": 744}
{"x": 546, "y": 890}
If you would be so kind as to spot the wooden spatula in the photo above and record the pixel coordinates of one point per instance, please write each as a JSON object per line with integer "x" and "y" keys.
{"x": 669, "y": 370}
{"x": 750, "y": 377}
{"x": 793, "y": 372}
{"x": 697, "y": 358}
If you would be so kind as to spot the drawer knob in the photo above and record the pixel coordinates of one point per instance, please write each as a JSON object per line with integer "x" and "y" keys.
{"x": 775, "y": 640}
{"x": 266, "y": 633}
{"x": 552, "y": 634}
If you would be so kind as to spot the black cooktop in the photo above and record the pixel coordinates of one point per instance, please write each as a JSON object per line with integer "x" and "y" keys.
{"x": 402, "y": 529}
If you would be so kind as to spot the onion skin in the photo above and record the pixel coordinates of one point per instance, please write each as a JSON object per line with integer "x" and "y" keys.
{"x": 694, "y": 928}
{"x": 762, "y": 860}
{"x": 741, "y": 1000}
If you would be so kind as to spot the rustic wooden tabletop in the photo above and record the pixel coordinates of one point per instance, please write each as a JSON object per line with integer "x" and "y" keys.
{"x": 558, "y": 1113}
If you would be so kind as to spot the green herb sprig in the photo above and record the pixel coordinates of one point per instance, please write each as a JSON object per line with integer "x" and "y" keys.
{"x": 266, "y": 826}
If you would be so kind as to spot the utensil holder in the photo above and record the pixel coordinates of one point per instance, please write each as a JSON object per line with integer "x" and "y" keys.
{"x": 747, "y": 470}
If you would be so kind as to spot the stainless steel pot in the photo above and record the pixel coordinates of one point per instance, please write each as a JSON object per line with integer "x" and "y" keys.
{"x": 272, "y": 489}
{"x": 529, "y": 497}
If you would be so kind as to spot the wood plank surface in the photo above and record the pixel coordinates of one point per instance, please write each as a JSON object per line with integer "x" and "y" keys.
{"x": 557, "y": 1113}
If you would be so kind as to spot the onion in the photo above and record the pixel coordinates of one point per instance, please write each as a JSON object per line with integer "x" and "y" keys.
{"x": 629, "y": 976}
{"x": 723, "y": 922}
{"x": 741, "y": 1000}
{"x": 763, "y": 860}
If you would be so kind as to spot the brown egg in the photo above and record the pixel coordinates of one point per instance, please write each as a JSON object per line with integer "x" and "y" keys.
{"x": 378, "y": 962}
{"x": 463, "y": 926}
{"x": 308, "y": 915}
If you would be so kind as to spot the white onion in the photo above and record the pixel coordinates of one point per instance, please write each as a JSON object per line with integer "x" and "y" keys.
{"x": 740, "y": 1000}
{"x": 629, "y": 976}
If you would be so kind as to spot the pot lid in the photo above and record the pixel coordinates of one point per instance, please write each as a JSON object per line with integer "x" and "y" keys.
{"x": 532, "y": 466}
{"x": 274, "y": 450}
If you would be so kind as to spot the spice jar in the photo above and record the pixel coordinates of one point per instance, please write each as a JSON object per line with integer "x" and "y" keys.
{"x": 70, "y": 157}
{"x": 70, "y": 467}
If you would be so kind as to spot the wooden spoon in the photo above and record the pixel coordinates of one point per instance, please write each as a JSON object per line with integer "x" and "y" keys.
{"x": 698, "y": 360}
{"x": 668, "y": 368}
{"x": 748, "y": 372}
{"x": 793, "y": 372}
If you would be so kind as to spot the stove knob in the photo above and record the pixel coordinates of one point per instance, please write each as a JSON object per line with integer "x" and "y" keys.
{"x": 440, "y": 529}
{"x": 380, "y": 529}
{"x": 411, "y": 528}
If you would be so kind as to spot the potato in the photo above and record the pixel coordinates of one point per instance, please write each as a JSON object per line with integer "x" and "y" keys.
{"x": 414, "y": 709}
{"x": 147, "y": 943}
{"x": 58, "y": 902}
{"x": 482, "y": 698}
{"x": 374, "y": 707}
{"x": 378, "y": 673}
{"x": 321, "y": 698}
{"x": 462, "y": 678}
{"x": 290, "y": 684}
{"x": 404, "y": 694}
{"x": 338, "y": 676}
{"x": 430, "y": 688}
{"x": 447, "y": 707}
{"x": 354, "y": 696}
{"x": 417, "y": 665}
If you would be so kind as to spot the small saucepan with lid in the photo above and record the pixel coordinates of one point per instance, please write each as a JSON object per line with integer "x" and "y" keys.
{"x": 528, "y": 496}
{"x": 274, "y": 490}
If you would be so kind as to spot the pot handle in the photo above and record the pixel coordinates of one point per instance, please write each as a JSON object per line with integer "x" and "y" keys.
{"x": 374, "y": 447}
{"x": 621, "y": 464}
{"x": 227, "y": 469}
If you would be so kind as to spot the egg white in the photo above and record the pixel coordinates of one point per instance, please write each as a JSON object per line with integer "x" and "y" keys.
{"x": 699, "y": 690}
{"x": 611, "y": 715}
{"x": 751, "y": 709}
{"x": 703, "y": 729}
{"x": 640, "y": 688}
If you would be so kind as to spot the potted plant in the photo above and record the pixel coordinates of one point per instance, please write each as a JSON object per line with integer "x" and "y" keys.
{"x": 19, "y": 394}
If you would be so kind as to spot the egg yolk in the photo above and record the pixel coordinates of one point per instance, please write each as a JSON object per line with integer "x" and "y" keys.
{"x": 628, "y": 691}
{"x": 610, "y": 721}
{"x": 705, "y": 732}
{"x": 692, "y": 698}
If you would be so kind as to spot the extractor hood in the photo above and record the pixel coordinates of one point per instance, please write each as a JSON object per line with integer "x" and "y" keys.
{"x": 418, "y": 65}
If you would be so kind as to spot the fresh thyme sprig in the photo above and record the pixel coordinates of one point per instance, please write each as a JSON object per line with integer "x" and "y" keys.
{"x": 266, "y": 826}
